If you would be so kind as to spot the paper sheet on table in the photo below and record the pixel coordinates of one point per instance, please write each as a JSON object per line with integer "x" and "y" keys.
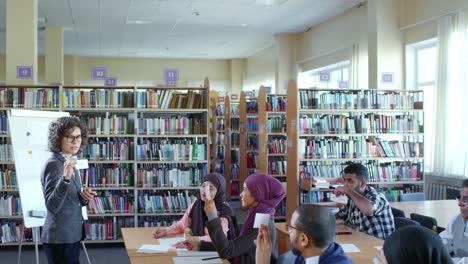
{"x": 170, "y": 241}
{"x": 183, "y": 252}
{"x": 350, "y": 248}
{"x": 196, "y": 260}
{"x": 152, "y": 248}
{"x": 343, "y": 199}
{"x": 378, "y": 248}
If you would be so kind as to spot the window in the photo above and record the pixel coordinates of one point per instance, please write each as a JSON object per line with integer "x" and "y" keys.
{"x": 339, "y": 72}
{"x": 421, "y": 75}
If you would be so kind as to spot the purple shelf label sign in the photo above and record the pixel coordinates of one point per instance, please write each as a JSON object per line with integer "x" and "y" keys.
{"x": 324, "y": 76}
{"x": 171, "y": 74}
{"x": 99, "y": 73}
{"x": 387, "y": 77}
{"x": 24, "y": 72}
{"x": 342, "y": 84}
{"x": 268, "y": 90}
{"x": 110, "y": 81}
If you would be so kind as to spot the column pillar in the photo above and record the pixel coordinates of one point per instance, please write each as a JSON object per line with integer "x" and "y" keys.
{"x": 237, "y": 75}
{"x": 21, "y": 41}
{"x": 285, "y": 61}
{"x": 54, "y": 55}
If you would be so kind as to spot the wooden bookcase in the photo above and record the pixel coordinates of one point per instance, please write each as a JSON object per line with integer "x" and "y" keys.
{"x": 155, "y": 150}
{"x": 326, "y": 128}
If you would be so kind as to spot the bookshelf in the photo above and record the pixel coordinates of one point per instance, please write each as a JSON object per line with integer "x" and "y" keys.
{"x": 272, "y": 139}
{"x": 383, "y": 129}
{"x": 233, "y": 148}
{"x": 248, "y": 128}
{"x": 147, "y": 152}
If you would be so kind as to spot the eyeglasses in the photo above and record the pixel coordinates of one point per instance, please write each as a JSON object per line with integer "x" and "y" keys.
{"x": 290, "y": 228}
{"x": 463, "y": 199}
{"x": 71, "y": 139}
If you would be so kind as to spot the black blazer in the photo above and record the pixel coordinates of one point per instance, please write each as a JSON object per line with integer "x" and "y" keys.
{"x": 64, "y": 221}
{"x": 243, "y": 246}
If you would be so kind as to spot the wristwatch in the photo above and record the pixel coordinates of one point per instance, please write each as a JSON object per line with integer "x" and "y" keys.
{"x": 67, "y": 181}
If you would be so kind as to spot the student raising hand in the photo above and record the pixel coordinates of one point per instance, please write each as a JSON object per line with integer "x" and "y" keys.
{"x": 263, "y": 243}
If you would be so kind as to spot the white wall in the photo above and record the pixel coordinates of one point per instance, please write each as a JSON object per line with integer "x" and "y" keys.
{"x": 260, "y": 69}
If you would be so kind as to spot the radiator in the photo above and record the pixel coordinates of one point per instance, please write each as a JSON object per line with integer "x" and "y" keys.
{"x": 437, "y": 191}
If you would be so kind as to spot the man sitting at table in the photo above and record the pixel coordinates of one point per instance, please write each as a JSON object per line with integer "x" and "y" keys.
{"x": 455, "y": 237}
{"x": 311, "y": 235}
{"x": 366, "y": 210}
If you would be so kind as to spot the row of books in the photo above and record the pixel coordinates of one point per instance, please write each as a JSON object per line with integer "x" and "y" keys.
{"x": 235, "y": 109}
{"x": 97, "y": 98}
{"x": 281, "y": 209}
{"x": 314, "y": 197}
{"x": 219, "y": 110}
{"x": 252, "y": 160}
{"x": 153, "y": 221}
{"x": 358, "y": 99}
{"x": 109, "y": 149}
{"x": 219, "y": 152}
{"x": 252, "y": 142}
{"x": 113, "y": 124}
{"x": 219, "y": 140}
{"x": 10, "y": 204}
{"x": 171, "y": 125}
{"x": 394, "y": 149}
{"x": 171, "y": 175}
{"x": 219, "y": 166}
{"x": 220, "y": 124}
{"x": 235, "y": 123}
{"x": 396, "y": 191}
{"x": 329, "y": 147}
{"x": 4, "y": 128}
{"x": 378, "y": 171}
{"x": 160, "y": 202}
{"x": 111, "y": 202}
{"x": 372, "y": 123}
{"x": 235, "y": 189}
{"x": 277, "y": 166}
{"x": 276, "y": 124}
{"x": 107, "y": 228}
{"x": 108, "y": 175}
{"x": 36, "y": 98}
{"x": 8, "y": 179}
{"x": 252, "y": 124}
{"x": 234, "y": 172}
{"x": 276, "y": 103}
{"x": 167, "y": 98}
{"x": 10, "y": 232}
{"x": 171, "y": 150}
{"x": 235, "y": 140}
{"x": 252, "y": 107}
{"x": 277, "y": 145}
{"x": 6, "y": 151}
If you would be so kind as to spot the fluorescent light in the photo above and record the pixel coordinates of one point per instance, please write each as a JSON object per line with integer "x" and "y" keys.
{"x": 138, "y": 22}
{"x": 270, "y": 2}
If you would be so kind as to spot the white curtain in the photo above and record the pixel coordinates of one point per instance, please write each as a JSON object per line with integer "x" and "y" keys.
{"x": 450, "y": 156}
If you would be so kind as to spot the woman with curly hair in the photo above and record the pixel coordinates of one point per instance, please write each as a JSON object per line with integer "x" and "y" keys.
{"x": 64, "y": 197}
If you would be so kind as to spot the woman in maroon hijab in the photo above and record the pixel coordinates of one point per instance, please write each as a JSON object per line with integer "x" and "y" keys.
{"x": 194, "y": 218}
{"x": 261, "y": 194}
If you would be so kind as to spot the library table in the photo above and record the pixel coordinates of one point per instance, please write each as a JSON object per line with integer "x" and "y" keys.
{"x": 442, "y": 210}
{"x": 364, "y": 242}
{"x": 134, "y": 238}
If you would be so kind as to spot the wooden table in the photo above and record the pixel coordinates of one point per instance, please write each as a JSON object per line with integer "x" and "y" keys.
{"x": 442, "y": 210}
{"x": 134, "y": 238}
{"x": 364, "y": 242}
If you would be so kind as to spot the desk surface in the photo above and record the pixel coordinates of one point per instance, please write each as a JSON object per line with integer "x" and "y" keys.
{"x": 134, "y": 238}
{"x": 364, "y": 242}
{"x": 442, "y": 210}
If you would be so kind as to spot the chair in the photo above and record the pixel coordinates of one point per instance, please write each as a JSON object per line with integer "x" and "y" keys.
{"x": 398, "y": 213}
{"x": 406, "y": 197}
{"x": 426, "y": 221}
{"x": 390, "y": 198}
{"x": 403, "y": 221}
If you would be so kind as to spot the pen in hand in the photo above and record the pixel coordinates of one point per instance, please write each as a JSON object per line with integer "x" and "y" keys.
{"x": 210, "y": 258}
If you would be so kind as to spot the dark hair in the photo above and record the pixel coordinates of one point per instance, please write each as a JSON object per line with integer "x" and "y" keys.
{"x": 358, "y": 169}
{"x": 464, "y": 183}
{"x": 317, "y": 222}
{"x": 59, "y": 129}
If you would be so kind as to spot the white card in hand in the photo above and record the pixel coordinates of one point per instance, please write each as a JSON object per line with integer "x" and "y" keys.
{"x": 207, "y": 192}
{"x": 261, "y": 219}
{"x": 81, "y": 164}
